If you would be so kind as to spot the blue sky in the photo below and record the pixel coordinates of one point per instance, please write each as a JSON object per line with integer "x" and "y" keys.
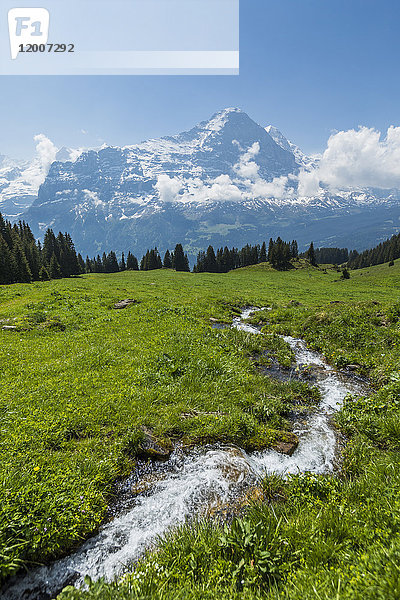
{"x": 309, "y": 67}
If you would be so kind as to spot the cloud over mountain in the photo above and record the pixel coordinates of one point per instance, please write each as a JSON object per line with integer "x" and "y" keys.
{"x": 359, "y": 158}
{"x": 226, "y": 181}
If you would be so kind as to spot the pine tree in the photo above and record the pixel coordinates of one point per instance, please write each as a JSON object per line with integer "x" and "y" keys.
{"x": 54, "y": 271}
{"x": 145, "y": 261}
{"x": 167, "y": 263}
{"x": 7, "y": 264}
{"x": 132, "y": 262}
{"x": 122, "y": 264}
{"x": 82, "y": 266}
{"x": 226, "y": 260}
{"x": 270, "y": 249}
{"x": 387, "y": 251}
{"x": 44, "y": 274}
{"x": 104, "y": 263}
{"x": 263, "y": 253}
{"x": 151, "y": 260}
{"x": 112, "y": 263}
{"x": 32, "y": 254}
{"x": 50, "y": 247}
{"x": 22, "y": 271}
{"x": 310, "y": 255}
{"x": 211, "y": 260}
{"x": 181, "y": 262}
{"x": 88, "y": 265}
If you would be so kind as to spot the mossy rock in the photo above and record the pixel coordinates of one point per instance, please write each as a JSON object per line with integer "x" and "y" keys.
{"x": 151, "y": 448}
{"x": 281, "y": 441}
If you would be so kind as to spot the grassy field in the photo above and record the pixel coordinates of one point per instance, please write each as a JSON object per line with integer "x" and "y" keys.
{"x": 79, "y": 381}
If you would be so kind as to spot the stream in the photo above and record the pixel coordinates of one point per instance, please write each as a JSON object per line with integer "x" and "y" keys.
{"x": 195, "y": 483}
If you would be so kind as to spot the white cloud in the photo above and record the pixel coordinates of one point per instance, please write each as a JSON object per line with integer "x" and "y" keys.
{"x": 277, "y": 188}
{"x": 353, "y": 159}
{"x": 168, "y": 188}
{"x": 255, "y": 185}
{"x": 247, "y": 185}
{"x": 246, "y": 167}
{"x": 356, "y": 159}
{"x": 220, "y": 189}
{"x": 93, "y": 198}
{"x": 309, "y": 183}
{"x": 46, "y": 152}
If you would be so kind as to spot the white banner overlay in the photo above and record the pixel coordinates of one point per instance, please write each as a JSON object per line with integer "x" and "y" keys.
{"x": 121, "y": 37}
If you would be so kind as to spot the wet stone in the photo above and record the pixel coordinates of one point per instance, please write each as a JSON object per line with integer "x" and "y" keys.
{"x": 151, "y": 449}
{"x": 287, "y": 448}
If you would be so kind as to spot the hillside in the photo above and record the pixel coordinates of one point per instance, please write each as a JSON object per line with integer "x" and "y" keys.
{"x": 74, "y": 420}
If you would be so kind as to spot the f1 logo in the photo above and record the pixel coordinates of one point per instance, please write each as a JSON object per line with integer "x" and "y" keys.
{"x": 27, "y": 25}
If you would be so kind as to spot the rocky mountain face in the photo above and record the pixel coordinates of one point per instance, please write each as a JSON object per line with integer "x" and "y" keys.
{"x": 228, "y": 181}
{"x": 20, "y": 182}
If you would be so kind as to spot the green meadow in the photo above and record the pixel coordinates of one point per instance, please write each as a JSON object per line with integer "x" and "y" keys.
{"x": 80, "y": 382}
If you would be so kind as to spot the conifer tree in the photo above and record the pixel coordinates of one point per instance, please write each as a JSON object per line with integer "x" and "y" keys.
{"x": 270, "y": 249}
{"x": 294, "y": 249}
{"x": 22, "y": 271}
{"x": 181, "y": 262}
{"x": 54, "y": 271}
{"x": 88, "y": 265}
{"x": 44, "y": 274}
{"x": 263, "y": 253}
{"x": 310, "y": 255}
{"x": 132, "y": 262}
{"x": 112, "y": 263}
{"x": 50, "y": 247}
{"x": 167, "y": 262}
{"x": 122, "y": 264}
{"x": 7, "y": 263}
{"x": 211, "y": 261}
{"x": 81, "y": 263}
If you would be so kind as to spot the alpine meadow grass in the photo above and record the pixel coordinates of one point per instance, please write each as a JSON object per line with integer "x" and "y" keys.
{"x": 80, "y": 383}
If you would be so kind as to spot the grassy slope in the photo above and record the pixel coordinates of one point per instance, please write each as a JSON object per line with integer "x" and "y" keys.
{"x": 73, "y": 402}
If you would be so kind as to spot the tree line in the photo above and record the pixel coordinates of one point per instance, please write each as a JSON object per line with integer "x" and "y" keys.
{"x": 331, "y": 256}
{"x": 23, "y": 259}
{"x": 387, "y": 251}
{"x": 279, "y": 254}
{"x": 177, "y": 260}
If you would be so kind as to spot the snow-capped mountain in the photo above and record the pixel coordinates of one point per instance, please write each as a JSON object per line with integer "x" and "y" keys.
{"x": 16, "y": 192}
{"x": 20, "y": 181}
{"x": 227, "y": 181}
{"x": 307, "y": 162}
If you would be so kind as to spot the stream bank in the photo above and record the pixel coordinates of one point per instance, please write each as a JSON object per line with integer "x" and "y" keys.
{"x": 196, "y": 482}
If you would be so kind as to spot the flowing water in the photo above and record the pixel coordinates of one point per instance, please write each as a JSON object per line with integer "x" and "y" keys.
{"x": 195, "y": 483}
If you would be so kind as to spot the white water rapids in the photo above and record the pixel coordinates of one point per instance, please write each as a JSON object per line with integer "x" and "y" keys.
{"x": 192, "y": 484}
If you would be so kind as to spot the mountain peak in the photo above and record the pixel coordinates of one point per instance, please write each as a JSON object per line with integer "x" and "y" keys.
{"x": 278, "y": 137}
{"x": 302, "y": 159}
{"x": 223, "y": 117}
{"x": 228, "y": 111}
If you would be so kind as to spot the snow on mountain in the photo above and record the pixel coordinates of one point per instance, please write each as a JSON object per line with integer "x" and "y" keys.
{"x": 16, "y": 194}
{"x": 226, "y": 181}
{"x": 307, "y": 162}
